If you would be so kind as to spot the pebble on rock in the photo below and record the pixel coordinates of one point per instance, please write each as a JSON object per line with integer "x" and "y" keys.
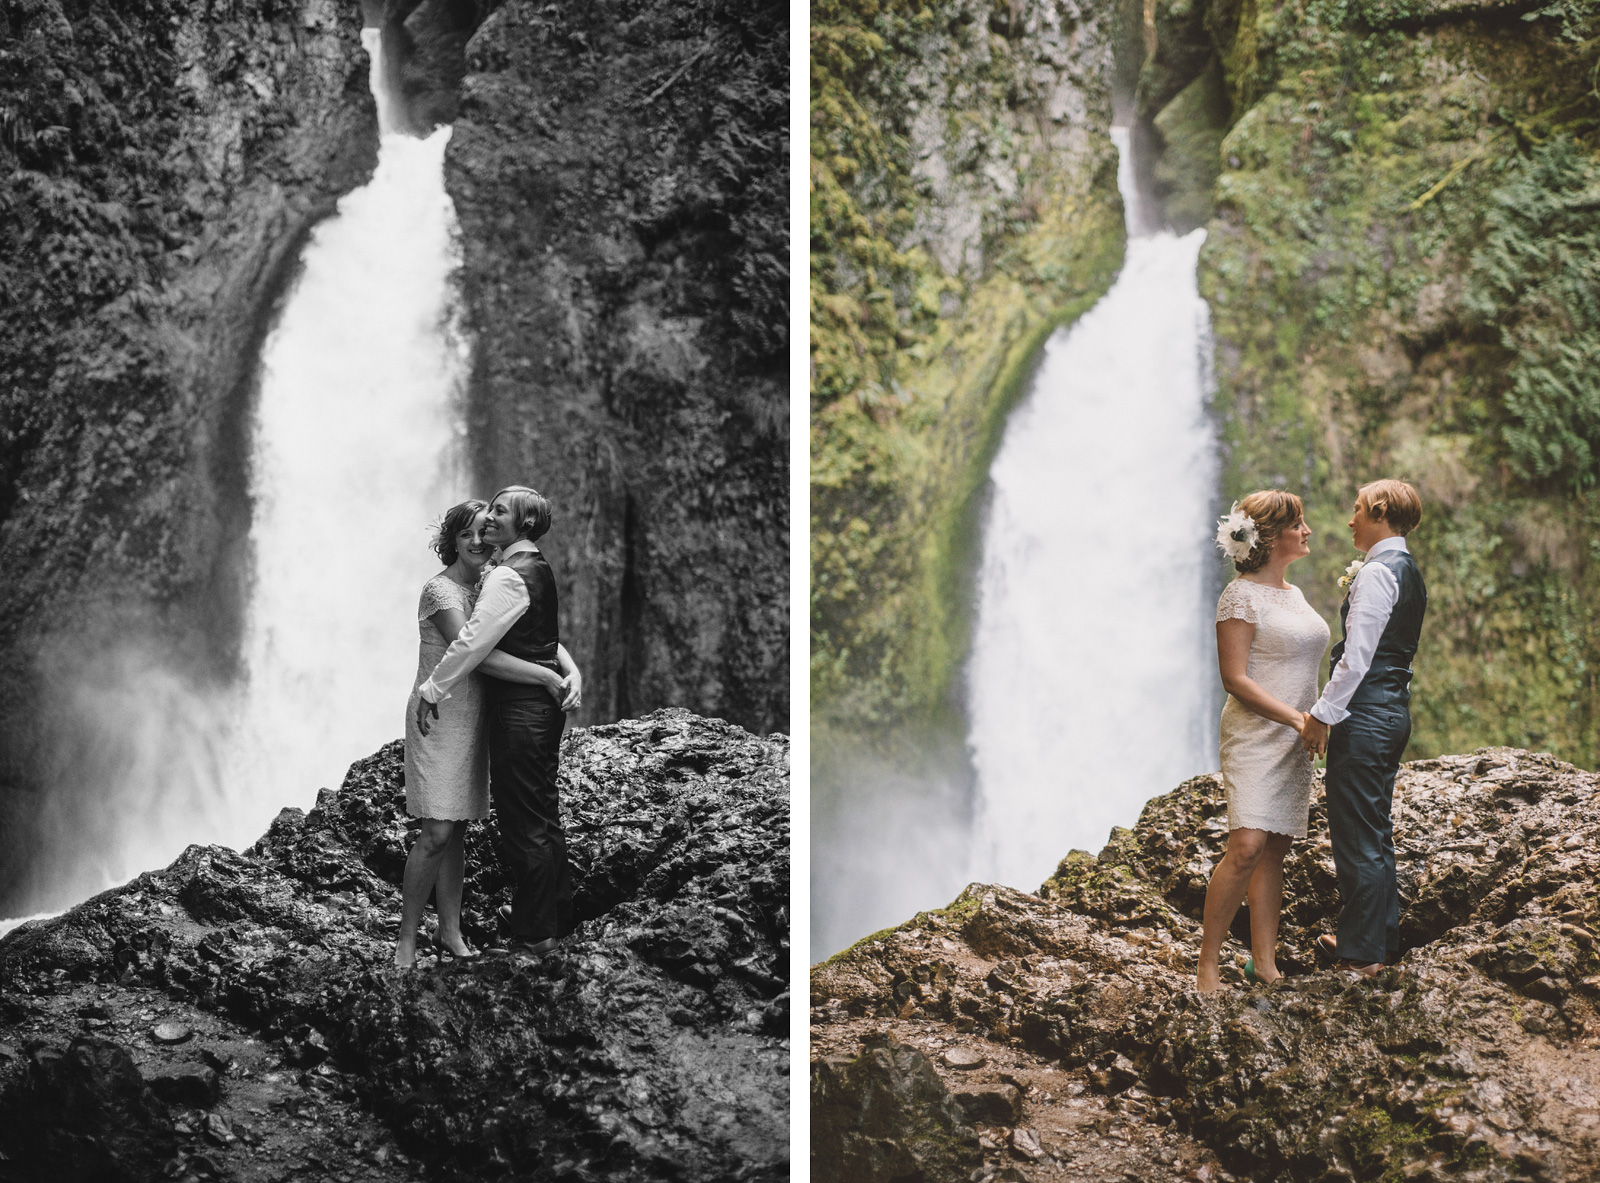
{"x": 171, "y": 1033}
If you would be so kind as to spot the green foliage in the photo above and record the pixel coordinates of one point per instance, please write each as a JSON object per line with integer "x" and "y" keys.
{"x": 1537, "y": 279}
{"x": 1379, "y": 179}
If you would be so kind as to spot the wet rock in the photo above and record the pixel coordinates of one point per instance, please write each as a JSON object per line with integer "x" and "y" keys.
{"x": 652, "y": 1043}
{"x": 170, "y": 1033}
{"x": 191, "y": 1085}
{"x": 885, "y": 1115}
{"x": 964, "y": 1059}
{"x": 84, "y": 1113}
{"x": 1472, "y": 1056}
{"x": 999, "y": 1105}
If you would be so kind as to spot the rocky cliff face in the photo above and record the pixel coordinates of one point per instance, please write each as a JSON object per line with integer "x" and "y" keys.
{"x": 621, "y": 179}
{"x": 1399, "y": 265}
{"x": 621, "y": 176}
{"x": 963, "y": 204}
{"x": 237, "y": 1016}
{"x": 160, "y": 165}
{"x": 1058, "y": 1036}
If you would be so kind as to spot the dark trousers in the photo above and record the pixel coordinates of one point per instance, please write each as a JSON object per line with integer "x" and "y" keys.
{"x": 524, "y": 749}
{"x": 1363, "y": 757}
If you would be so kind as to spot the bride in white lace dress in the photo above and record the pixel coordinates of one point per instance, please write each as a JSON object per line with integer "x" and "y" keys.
{"x": 1270, "y": 644}
{"x": 447, "y": 770}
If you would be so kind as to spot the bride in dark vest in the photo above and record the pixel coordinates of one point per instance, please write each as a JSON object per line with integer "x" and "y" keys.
{"x": 447, "y": 763}
{"x": 516, "y": 614}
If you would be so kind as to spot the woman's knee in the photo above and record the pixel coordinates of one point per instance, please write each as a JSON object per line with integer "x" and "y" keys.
{"x": 1246, "y": 846}
{"x": 434, "y": 834}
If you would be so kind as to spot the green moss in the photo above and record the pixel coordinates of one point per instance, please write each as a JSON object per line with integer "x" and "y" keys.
{"x": 917, "y": 359}
{"x": 1397, "y": 234}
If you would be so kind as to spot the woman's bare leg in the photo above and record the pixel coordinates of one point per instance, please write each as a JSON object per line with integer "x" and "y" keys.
{"x": 1229, "y": 883}
{"x": 422, "y": 872}
{"x": 447, "y": 892}
{"x": 1266, "y": 903}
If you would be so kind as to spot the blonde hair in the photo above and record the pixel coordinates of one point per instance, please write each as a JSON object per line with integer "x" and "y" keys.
{"x": 1392, "y": 502}
{"x": 528, "y": 509}
{"x": 1273, "y": 511}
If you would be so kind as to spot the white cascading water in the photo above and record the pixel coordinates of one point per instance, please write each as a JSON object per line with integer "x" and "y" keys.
{"x": 1090, "y": 682}
{"x": 357, "y": 450}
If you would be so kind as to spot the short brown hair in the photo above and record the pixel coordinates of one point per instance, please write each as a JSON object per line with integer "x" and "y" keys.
{"x": 528, "y": 509}
{"x": 1392, "y": 502}
{"x": 1273, "y": 511}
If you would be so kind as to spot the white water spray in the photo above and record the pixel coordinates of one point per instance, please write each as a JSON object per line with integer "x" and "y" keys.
{"x": 357, "y": 448}
{"x": 356, "y": 451}
{"x": 1090, "y": 680}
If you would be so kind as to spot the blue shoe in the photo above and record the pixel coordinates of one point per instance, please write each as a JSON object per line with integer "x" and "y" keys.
{"x": 1250, "y": 971}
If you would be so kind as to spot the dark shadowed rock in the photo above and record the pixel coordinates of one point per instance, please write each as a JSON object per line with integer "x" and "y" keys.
{"x": 195, "y": 1086}
{"x": 885, "y": 1116}
{"x": 651, "y": 1045}
{"x": 84, "y": 1113}
{"x": 1473, "y": 1058}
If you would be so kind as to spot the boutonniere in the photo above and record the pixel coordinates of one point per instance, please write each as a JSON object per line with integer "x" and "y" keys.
{"x": 1236, "y": 534}
{"x": 1350, "y": 574}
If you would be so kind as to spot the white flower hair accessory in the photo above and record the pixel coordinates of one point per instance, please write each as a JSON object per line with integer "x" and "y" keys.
{"x": 1350, "y": 573}
{"x": 1237, "y": 534}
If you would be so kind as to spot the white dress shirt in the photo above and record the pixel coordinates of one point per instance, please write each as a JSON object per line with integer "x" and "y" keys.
{"x": 1372, "y": 598}
{"x": 502, "y": 599}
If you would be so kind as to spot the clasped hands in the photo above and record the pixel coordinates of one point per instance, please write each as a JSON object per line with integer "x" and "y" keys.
{"x": 568, "y": 692}
{"x": 1313, "y": 735}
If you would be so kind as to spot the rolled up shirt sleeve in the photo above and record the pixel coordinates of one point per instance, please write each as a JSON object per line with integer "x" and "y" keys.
{"x": 504, "y": 598}
{"x": 1372, "y": 599}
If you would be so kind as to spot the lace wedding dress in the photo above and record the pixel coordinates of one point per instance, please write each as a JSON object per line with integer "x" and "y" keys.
{"x": 447, "y": 770}
{"x": 1264, "y": 768}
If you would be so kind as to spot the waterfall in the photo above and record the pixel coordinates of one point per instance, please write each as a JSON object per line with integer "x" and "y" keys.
{"x": 357, "y": 449}
{"x": 1090, "y": 686}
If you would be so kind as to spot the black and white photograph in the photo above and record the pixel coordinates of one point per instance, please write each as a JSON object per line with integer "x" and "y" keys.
{"x": 396, "y": 613}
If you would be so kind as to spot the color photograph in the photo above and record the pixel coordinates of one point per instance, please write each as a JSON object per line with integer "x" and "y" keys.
{"x": 1203, "y": 605}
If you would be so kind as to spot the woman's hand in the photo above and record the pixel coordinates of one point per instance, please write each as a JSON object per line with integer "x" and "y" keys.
{"x": 1314, "y": 735}
{"x": 571, "y": 691}
{"x": 425, "y": 709}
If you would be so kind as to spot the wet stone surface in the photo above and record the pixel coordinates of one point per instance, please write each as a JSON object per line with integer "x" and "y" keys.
{"x": 237, "y": 1016}
{"x": 1477, "y": 1057}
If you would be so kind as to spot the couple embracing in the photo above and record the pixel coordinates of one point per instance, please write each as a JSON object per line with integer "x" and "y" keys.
{"x": 494, "y": 684}
{"x": 1274, "y": 725}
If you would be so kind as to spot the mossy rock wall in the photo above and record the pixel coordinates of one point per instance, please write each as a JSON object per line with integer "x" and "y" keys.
{"x": 1400, "y": 267}
{"x": 963, "y": 205}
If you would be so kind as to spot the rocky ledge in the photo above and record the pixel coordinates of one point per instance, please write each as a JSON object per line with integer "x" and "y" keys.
{"x": 1058, "y": 1035}
{"x": 237, "y": 1016}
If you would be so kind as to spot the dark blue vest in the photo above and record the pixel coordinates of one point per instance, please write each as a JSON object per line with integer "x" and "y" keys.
{"x": 1388, "y": 679}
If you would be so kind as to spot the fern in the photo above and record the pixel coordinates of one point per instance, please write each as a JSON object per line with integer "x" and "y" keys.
{"x": 1537, "y": 277}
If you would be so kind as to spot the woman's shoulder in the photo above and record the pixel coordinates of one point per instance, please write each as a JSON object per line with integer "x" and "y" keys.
{"x": 440, "y": 592}
{"x": 1238, "y": 601}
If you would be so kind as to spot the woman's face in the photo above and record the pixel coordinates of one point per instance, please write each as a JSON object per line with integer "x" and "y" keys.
{"x": 470, "y": 545}
{"x": 501, "y": 529}
{"x": 1293, "y": 543}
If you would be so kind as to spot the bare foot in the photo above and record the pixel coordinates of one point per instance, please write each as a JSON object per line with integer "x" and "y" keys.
{"x": 1209, "y": 978}
{"x": 405, "y": 953}
{"x": 1366, "y": 971}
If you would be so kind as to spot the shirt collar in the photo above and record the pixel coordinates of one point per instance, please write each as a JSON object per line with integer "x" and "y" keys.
{"x": 1383, "y": 544}
{"x": 517, "y": 547}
